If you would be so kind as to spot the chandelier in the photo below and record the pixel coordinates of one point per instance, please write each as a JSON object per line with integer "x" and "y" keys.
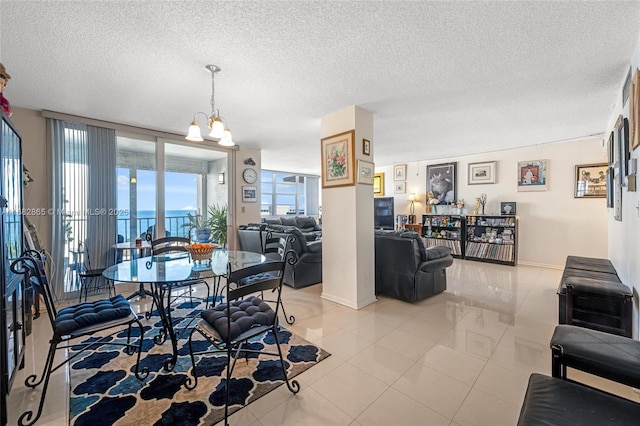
{"x": 218, "y": 126}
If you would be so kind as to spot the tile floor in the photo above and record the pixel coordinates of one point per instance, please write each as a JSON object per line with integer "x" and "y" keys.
{"x": 461, "y": 358}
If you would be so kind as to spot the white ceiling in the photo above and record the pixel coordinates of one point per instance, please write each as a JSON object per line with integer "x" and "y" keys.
{"x": 441, "y": 78}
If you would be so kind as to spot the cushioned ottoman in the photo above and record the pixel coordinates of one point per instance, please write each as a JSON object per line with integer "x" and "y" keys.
{"x": 590, "y": 264}
{"x": 600, "y": 301}
{"x": 550, "y": 401}
{"x": 606, "y": 355}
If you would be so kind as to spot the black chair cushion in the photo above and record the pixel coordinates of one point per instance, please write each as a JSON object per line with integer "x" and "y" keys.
{"x": 83, "y": 315}
{"x": 600, "y": 287}
{"x": 245, "y": 314}
{"x": 421, "y": 247}
{"x": 603, "y": 354}
{"x": 550, "y": 401}
{"x": 590, "y": 264}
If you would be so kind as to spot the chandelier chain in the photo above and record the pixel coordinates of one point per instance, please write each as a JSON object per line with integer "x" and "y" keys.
{"x": 213, "y": 94}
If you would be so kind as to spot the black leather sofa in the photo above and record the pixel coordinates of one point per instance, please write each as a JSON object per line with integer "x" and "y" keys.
{"x": 406, "y": 270}
{"x": 307, "y": 268}
{"x": 307, "y": 225}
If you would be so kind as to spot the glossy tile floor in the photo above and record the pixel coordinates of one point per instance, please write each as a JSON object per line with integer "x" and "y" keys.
{"x": 460, "y": 358}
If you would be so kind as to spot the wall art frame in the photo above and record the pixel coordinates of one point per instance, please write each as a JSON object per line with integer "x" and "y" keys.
{"x": 634, "y": 111}
{"x": 441, "y": 182}
{"x": 481, "y": 173}
{"x": 378, "y": 185}
{"x": 400, "y": 172}
{"x": 365, "y": 172}
{"x": 591, "y": 181}
{"x": 400, "y": 187}
{"x": 366, "y": 146}
{"x": 249, "y": 194}
{"x": 338, "y": 160}
{"x": 622, "y": 129}
{"x": 507, "y": 208}
{"x": 533, "y": 175}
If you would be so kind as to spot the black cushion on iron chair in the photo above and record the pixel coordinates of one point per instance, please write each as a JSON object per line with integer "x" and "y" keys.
{"x": 73, "y": 318}
{"x": 606, "y": 355}
{"x": 551, "y": 401}
{"x": 245, "y": 315}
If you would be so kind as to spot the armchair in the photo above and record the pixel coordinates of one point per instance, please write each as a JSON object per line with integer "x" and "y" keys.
{"x": 406, "y": 270}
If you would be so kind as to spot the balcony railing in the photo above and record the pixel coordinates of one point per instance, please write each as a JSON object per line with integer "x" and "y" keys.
{"x": 173, "y": 225}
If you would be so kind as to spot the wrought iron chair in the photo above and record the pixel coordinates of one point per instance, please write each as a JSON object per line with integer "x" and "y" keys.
{"x": 232, "y": 324}
{"x": 91, "y": 279}
{"x": 178, "y": 245}
{"x": 277, "y": 248}
{"x": 72, "y": 322}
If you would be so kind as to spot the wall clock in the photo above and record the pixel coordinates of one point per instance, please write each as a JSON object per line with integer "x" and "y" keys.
{"x": 249, "y": 175}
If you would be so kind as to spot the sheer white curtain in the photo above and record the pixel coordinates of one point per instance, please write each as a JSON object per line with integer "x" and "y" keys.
{"x": 83, "y": 200}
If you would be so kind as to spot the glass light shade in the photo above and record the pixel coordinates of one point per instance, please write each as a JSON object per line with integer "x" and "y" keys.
{"x": 194, "y": 133}
{"x": 217, "y": 128}
{"x": 226, "y": 139}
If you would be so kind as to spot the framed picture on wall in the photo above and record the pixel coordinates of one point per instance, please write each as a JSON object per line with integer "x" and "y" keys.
{"x": 441, "y": 182}
{"x": 533, "y": 175}
{"x": 622, "y": 127}
{"x": 338, "y": 160}
{"x": 366, "y": 146}
{"x": 400, "y": 172}
{"x": 365, "y": 172}
{"x": 249, "y": 194}
{"x": 479, "y": 173}
{"x": 591, "y": 181}
{"x": 400, "y": 187}
{"x": 378, "y": 185}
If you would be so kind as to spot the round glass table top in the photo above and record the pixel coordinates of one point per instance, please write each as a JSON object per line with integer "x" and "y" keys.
{"x": 178, "y": 267}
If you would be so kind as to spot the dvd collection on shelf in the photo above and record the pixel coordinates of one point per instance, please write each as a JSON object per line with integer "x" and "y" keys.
{"x": 480, "y": 237}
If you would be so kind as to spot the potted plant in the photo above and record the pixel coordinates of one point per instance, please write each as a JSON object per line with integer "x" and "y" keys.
{"x": 217, "y": 222}
{"x": 202, "y": 231}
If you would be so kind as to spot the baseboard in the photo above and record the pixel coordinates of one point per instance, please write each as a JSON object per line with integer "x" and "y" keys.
{"x": 541, "y": 265}
{"x": 348, "y": 303}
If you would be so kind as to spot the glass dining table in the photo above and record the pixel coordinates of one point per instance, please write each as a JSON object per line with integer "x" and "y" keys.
{"x": 163, "y": 272}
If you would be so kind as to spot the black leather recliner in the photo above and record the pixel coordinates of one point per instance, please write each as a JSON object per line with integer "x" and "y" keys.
{"x": 406, "y": 270}
{"x": 307, "y": 269}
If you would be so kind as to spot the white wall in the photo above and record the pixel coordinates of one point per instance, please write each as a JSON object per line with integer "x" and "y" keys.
{"x": 553, "y": 224}
{"x": 624, "y": 250}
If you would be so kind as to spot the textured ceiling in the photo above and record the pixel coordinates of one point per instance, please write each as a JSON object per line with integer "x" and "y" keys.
{"x": 441, "y": 78}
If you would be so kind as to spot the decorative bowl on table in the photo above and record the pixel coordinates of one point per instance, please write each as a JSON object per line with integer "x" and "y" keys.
{"x": 201, "y": 251}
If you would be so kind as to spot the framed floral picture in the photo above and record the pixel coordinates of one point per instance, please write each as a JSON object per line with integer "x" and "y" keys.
{"x": 400, "y": 187}
{"x": 533, "y": 175}
{"x": 338, "y": 160}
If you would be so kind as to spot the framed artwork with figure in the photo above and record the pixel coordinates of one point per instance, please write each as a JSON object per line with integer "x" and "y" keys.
{"x": 533, "y": 175}
{"x": 441, "y": 182}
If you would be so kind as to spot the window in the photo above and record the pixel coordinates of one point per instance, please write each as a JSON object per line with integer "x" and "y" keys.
{"x": 289, "y": 194}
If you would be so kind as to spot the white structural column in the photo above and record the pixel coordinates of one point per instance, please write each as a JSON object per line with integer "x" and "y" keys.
{"x": 348, "y": 275}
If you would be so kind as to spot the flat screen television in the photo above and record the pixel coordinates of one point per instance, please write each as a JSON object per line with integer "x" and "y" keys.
{"x": 383, "y": 217}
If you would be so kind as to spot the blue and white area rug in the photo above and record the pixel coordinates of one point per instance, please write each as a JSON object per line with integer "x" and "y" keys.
{"x": 105, "y": 391}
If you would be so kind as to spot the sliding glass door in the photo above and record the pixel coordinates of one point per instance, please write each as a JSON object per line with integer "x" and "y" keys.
{"x": 161, "y": 182}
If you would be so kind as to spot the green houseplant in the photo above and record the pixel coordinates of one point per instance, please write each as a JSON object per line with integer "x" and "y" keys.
{"x": 217, "y": 222}
{"x": 202, "y": 231}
